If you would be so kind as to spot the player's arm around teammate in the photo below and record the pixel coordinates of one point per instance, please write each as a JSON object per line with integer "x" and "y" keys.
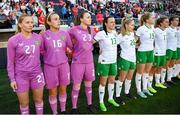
{"x": 127, "y": 60}
{"x": 145, "y": 55}
{"x": 177, "y": 69}
{"x": 82, "y": 66}
{"x": 171, "y": 53}
{"x": 107, "y": 62}
{"x": 24, "y": 69}
{"x": 56, "y": 67}
{"x": 160, "y": 53}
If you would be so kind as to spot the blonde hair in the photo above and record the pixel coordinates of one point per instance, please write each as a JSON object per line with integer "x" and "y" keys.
{"x": 125, "y": 20}
{"x": 21, "y": 18}
{"x": 144, "y": 18}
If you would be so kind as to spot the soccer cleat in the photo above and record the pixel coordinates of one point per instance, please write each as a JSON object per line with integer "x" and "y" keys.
{"x": 141, "y": 94}
{"x": 63, "y": 112}
{"x": 92, "y": 109}
{"x": 120, "y": 100}
{"x": 111, "y": 101}
{"x": 175, "y": 79}
{"x": 147, "y": 92}
{"x": 74, "y": 111}
{"x": 152, "y": 90}
{"x": 165, "y": 84}
{"x": 178, "y": 76}
{"x": 170, "y": 83}
{"x": 102, "y": 107}
{"x": 129, "y": 95}
{"x": 160, "y": 85}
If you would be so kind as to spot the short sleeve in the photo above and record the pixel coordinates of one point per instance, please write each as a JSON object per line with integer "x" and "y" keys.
{"x": 139, "y": 31}
{"x": 120, "y": 38}
{"x": 98, "y": 36}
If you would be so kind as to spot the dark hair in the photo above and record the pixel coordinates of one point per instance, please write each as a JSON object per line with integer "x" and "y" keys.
{"x": 78, "y": 21}
{"x": 48, "y": 18}
{"x": 172, "y": 19}
{"x": 105, "y": 21}
{"x": 159, "y": 21}
{"x": 144, "y": 18}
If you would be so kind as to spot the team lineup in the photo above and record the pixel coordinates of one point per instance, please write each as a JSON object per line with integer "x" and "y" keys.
{"x": 152, "y": 50}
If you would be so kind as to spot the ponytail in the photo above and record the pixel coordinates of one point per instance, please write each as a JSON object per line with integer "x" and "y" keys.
{"x": 144, "y": 18}
{"x": 125, "y": 20}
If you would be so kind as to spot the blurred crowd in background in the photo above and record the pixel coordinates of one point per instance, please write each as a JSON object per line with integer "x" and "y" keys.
{"x": 10, "y": 10}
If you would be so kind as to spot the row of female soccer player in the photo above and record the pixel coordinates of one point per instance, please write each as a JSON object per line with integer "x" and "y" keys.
{"x": 24, "y": 67}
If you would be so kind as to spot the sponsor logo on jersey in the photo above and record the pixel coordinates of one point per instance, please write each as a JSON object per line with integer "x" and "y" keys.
{"x": 21, "y": 44}
{"x": 79, "y": 31}
{"x": 48, "y": 38}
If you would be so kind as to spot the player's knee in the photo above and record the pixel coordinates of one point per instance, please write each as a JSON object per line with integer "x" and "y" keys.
{"x": 52, "y": 92}
{"x": 62, "y": 90}
{"x": 88, "y": 83}
{"x": 111, "y": 80}
{"x": 76, "y": 86}
{"x": 24, "y": 104}
{"x": 151, "y": 74}
{"x": 121, "y": 78}
{"x": 38, "y": 100}
{"x": 129, "y": 77}
{"x": 103, "y": 84}
{"x": 147, "y": 70}
{"x": 140, "y": 71}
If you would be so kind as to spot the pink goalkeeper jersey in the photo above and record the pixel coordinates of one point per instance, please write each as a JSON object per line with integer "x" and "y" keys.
{"x": 23, "y": 54}
{"x": 83, "y": 46}
{"x": 54, "y": 47}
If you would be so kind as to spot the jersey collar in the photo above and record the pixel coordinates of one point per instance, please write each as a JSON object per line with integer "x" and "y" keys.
{"x": 161, "y": 29}
{"x": 81, "y": 28}
{"x": 147, "y": 26}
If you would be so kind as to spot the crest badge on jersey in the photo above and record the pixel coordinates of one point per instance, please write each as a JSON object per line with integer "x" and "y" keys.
{"x": 37, "y": 43}
{"x": 62, "y": 37}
